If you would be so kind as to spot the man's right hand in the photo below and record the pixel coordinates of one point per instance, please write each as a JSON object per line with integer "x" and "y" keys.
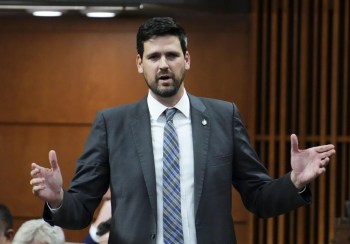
{"x": 47, "y": 183}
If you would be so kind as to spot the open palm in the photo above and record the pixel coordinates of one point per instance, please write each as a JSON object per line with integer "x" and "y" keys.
{"x": 47, "y": 183}
{"x": 309, "y": 163}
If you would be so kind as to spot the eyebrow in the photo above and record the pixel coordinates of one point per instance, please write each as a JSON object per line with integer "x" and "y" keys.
{"x": 166, "y": 53}
{"x": 152, "y": 54}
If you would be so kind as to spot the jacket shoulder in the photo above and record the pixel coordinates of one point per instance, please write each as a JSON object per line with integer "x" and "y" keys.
{"x": 216, "y": 104}
{"x": 125, "y": 111}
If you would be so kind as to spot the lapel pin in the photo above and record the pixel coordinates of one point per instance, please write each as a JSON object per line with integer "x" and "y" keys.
{"x": 204, "y": 122}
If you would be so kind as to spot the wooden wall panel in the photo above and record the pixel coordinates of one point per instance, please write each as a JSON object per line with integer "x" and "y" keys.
{"x": 22, "y": 144}
{"x": 301, "y": 78}
{"x": 85, "y": 69}
{"x": 57, "y": 73}
{"x": 94, "y": 68}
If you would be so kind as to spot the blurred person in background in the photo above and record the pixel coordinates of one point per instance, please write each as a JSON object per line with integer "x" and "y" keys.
{"x": 103, "y": 231}
{"x": 37, "y": 231}
{"x": 99, "y": 229}
{"x": 6, "y": 225}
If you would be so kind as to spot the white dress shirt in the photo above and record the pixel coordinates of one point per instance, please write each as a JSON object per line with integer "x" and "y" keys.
{"x": 182, "y": 123}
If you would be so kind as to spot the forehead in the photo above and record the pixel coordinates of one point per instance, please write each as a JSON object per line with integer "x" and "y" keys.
{"x": 162, "y": 44}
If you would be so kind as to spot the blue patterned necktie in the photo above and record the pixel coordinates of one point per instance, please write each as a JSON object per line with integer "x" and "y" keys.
{"x": 172, "y": 221}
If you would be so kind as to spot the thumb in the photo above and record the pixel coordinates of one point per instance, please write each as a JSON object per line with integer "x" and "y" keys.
{"x": 294, "y": 143}
{"x": 53, "y": 160}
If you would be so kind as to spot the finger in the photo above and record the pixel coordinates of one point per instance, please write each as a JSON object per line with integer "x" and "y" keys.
{"x": 36, "y": 169}
{"x": 294, "y": 143}
{"x": 36, "y": 189}
{"x": 325, "y": 148}
{"x": 53, "y": 160}
{"x": 36, "y": 166}
{"x": 34, "y": 172}
{"x": 36, "y": 181}
{"x": 327, "y": 153}
{"x": 321, "y": 170}
{"x": 33, "y": 165}
{"x": 324, "y": 162}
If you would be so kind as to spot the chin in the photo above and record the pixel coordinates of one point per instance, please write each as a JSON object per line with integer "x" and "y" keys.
{"x": 167, "y": 94}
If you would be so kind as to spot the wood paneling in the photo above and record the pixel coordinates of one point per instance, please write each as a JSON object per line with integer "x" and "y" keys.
{"x": 23, "y": 144}
{"x": 301, "y": 51}
{"x": 57, "y": 73}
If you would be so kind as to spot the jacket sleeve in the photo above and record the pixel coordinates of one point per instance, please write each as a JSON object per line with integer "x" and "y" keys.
{"x": 90, "y": 182}
{"x": 260, "y": 193}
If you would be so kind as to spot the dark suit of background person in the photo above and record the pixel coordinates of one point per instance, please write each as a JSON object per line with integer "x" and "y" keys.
{"x": 119, "y": 154}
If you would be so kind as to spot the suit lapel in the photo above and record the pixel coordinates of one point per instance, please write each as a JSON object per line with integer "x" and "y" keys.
{"x": 141, "y": 130}
{"x": 201, "y": 130}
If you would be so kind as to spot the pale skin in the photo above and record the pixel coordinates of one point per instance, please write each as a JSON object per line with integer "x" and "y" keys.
{"x": 163, "y": 56}
{"x": 164, "y": 64}
{"x": 7, "y": 236}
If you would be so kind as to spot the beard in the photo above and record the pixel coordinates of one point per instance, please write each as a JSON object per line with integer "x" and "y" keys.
{"x": 165, "y": 91}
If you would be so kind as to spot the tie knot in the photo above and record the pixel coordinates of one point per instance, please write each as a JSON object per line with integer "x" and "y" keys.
{"x": 169, "y": 113}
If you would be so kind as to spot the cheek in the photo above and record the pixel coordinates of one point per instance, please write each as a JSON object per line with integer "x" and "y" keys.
{"x": 180, "y": 67}
{"x": 150, "y": 70}
{"x": 149, "y": 76}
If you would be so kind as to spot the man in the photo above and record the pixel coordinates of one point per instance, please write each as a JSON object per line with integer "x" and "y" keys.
{"x": 171, "y": 175}
{"x": 6, "y": 225}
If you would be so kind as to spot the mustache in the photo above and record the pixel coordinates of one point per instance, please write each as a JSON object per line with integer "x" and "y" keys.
{"x": 162, "y": 74}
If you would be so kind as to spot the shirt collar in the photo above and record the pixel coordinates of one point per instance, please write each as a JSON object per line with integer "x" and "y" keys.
{"x": 156, "y": 108}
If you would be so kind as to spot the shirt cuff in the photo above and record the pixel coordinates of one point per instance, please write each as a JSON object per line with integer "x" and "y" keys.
{"x": 305, "y": 193}
{"x": 53, "y": 210}
{"x": 93, "y": 235}
{"x": 302, "y": 190}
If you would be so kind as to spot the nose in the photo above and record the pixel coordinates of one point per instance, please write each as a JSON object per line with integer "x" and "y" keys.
{"x": 163, "y": 64}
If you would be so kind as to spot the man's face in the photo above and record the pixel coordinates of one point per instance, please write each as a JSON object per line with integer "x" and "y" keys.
{"x": 164, "y": 65}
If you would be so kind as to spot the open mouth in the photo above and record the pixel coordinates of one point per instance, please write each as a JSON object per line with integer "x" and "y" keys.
{"x": 164, "y": 77}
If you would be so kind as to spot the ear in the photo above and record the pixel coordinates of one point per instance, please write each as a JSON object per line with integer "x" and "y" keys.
{"x": 139, "y": 64}
{"x": 187, "y": 60}
{"x": 9, "y": 234}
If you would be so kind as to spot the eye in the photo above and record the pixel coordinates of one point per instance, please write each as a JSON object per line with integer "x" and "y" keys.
{"x": 153, "y": 57}
{"x": 172, "y": 56}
